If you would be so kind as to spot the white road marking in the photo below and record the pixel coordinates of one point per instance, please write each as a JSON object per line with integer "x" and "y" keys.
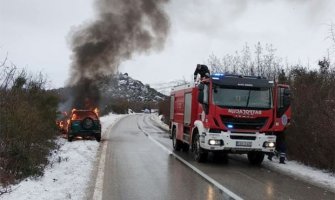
{"x": 205, "y": 176}
{"x": 97, "y": 195}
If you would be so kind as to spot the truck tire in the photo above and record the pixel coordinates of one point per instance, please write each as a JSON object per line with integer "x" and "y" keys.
{"x": 199, "y": 154}
{"x": 177, "y": 144}
{"x": 255, "y": 158}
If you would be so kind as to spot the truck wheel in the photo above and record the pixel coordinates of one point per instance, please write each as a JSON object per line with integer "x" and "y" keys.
{"x": 199, "y": 154}
{"x": 255, "y": 158}
{"x": 177, "y": 144}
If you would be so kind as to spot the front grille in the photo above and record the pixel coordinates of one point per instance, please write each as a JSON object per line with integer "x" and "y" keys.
{"x": 241, "y": 137}
{"x": 244, "y": 123}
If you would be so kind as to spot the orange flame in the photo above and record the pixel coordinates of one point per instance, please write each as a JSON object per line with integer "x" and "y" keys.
{"x": 96, "y": 110}
{"x": 61, "y": 124}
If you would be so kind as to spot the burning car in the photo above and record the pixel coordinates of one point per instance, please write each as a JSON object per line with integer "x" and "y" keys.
{"x": 61, "y": 122}
{"x": 84, "y": 123}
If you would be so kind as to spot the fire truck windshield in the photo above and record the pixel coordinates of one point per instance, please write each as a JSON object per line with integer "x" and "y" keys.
{"x": 242, "y": 97}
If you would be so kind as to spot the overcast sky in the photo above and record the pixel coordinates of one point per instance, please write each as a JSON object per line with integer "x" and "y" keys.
{"x": 35, "y": 34}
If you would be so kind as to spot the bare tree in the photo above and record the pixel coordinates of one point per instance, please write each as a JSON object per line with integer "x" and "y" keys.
{"x": 259, "y": 64}
{"x": 214, "y": 63}
{"x": 332, "y": 32}
{"x": 262, "y": 63}
{"x": 246, "y": 61}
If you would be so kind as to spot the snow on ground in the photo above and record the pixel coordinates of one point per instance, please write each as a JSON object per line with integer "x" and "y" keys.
{"x": 291, "y": 168}
{"x": 68, "y": 175}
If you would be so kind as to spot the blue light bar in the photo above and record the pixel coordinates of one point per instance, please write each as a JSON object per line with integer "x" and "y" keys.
{"x": 217, "y": 76}
{"x": 230, "y": 126}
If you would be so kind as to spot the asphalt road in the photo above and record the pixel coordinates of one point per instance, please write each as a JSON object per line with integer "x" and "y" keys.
{"x": 137, "y": 167}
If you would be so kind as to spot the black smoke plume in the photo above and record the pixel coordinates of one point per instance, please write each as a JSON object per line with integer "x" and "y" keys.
{"x": 121, "y": 29}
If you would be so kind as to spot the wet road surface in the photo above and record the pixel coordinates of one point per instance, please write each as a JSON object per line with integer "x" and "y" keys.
{"x": 137, "y": 168}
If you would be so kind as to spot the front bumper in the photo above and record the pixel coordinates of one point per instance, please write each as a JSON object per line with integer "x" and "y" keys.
{"x": 85, "y": 133}
{"x": 237, "y": 142}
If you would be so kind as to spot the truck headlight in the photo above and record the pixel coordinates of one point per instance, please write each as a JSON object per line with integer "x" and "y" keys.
{"x": 212, "y": 142}
{"x": 269, "y": 144}
{"x": 215, "y": 142}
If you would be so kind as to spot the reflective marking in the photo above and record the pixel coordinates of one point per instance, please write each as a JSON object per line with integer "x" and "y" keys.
{"x": 100, "y": 177}
{"x": 205, "y": 176}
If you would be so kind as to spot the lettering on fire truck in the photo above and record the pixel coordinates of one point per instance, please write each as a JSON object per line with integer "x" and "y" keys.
{"x": 245, "y": 112}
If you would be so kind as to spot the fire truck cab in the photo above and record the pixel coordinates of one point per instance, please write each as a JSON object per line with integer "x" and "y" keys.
{"x": 229, "y": 114}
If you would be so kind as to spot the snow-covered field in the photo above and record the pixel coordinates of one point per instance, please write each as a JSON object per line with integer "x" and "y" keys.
{"x": 68, "y": 175}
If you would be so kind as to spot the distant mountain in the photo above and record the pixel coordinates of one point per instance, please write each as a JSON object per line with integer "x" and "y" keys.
{"x": 123, "y": 86}
{"x": 117, "y": 91}
{"x": 165, "y": 87}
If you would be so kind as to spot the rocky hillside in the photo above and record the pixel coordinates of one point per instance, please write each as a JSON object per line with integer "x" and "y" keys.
{"x": 125, "y": 87}
{"x": 118, "y": 93}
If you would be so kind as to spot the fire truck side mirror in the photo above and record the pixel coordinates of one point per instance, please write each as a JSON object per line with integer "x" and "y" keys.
{"x": 286, "y": 97}
{"x": 287, "y": 92}
{"x": 286, "y": 101}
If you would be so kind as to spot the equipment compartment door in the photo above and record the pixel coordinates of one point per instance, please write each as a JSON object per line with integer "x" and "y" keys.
{"x": 188, "y": 108}
{"x": 172, "y": 107}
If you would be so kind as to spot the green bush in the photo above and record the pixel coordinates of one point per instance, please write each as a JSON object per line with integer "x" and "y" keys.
{"x": 27, "y": 128}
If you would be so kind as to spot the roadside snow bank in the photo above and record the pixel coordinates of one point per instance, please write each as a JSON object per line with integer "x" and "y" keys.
{"x": 69, "y": 172}
{"x": 303, "y": 172}
{"x": 158, "y": 120}
{"x": 291, "y": 168}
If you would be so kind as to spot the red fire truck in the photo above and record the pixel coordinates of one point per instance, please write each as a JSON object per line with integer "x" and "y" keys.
{"x": 229, "y": 114}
